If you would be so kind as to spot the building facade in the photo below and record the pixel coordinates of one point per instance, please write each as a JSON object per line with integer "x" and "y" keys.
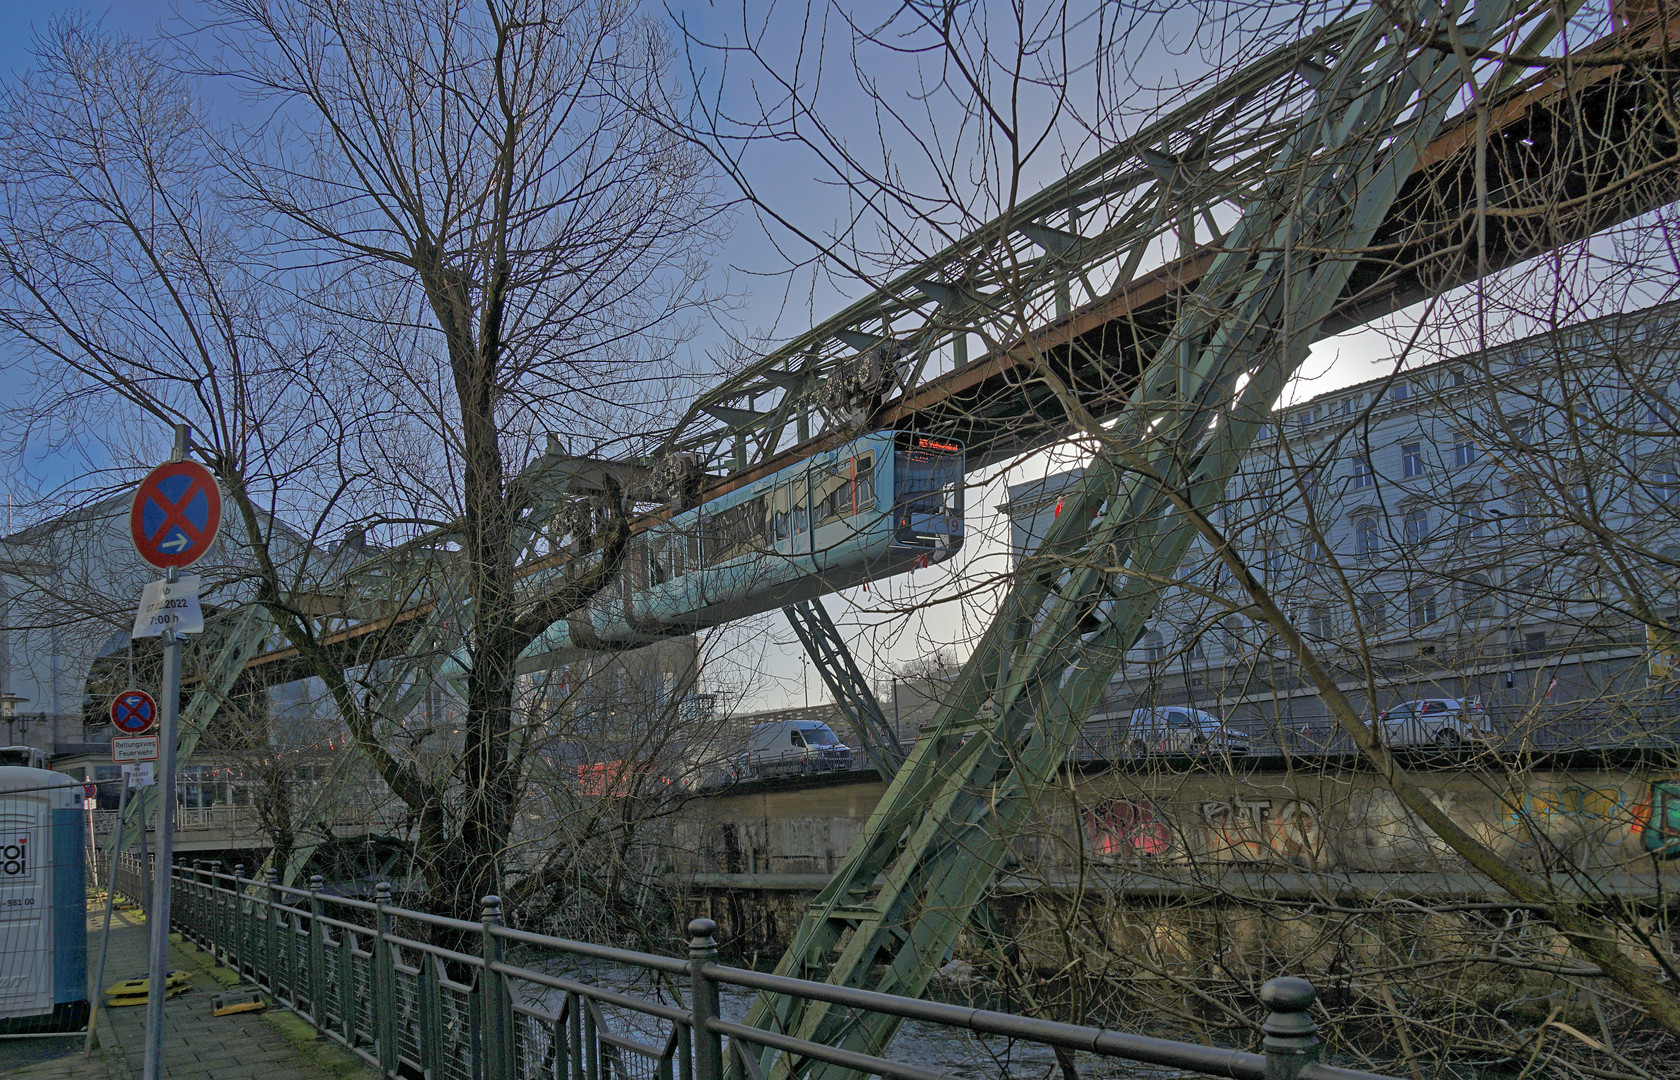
{"x": 1501, "y": 526}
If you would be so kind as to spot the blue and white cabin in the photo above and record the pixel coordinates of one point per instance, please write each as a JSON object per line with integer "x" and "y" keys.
{"x": 879, "y": 505}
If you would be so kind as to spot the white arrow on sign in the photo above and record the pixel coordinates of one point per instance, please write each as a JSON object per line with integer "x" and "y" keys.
{"x": 178, "y": 542}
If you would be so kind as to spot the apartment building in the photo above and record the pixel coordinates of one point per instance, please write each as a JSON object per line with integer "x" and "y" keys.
{"x": 1502, "y": 525}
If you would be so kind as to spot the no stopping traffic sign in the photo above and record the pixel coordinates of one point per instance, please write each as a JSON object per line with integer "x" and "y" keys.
{"x": 133, "y": 712}
{"x": 176, "y": 512}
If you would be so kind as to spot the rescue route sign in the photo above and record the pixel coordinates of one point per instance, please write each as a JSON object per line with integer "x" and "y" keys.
{"x": 169, "y": 605}
{"x": 144, "y": 748}
{"x": 133, "y": 712}
{"x": 177, "y": 510}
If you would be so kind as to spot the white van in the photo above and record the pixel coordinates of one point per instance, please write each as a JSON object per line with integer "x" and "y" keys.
{"x": 27, "y": 757}
{"x": 1179, "y": 729}
{"x": 792, "y": 747}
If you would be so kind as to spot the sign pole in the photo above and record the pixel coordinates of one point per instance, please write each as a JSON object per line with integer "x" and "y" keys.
{"x": 98, "y": 987}
{"x": 158, "y": 919}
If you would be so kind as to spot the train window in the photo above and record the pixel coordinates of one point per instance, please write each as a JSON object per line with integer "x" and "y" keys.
{"x": 668, "y": 559}
{"x": 863, "y": 482}
{"x": 928, "y": 489}
{"x": 831, "y": 493}
{"x": 734, "y": 532}
{"x": 781, "y": 512}
{"x": 801, "y": 496}
{"x": 636, "y": 561}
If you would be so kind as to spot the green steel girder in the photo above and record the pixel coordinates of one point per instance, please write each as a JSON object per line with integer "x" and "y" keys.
{"x": 827, "y": 649}
{"x": 228, "y": 644}
{"x": 942, "y": 829}
{"x": 1097, "y": 224}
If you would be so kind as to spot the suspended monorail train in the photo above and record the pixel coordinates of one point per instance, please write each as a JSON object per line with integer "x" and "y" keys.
{"x": 879, "y": 505}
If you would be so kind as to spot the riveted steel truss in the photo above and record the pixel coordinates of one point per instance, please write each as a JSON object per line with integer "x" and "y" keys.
{"x": 827, "y": 649}
{"x": 1365, "y": 115}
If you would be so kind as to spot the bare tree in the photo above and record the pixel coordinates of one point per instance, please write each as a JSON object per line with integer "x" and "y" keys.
{"x": 455, "y": 227}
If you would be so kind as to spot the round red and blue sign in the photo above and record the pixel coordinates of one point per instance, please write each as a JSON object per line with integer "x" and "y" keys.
{"x": 133, "y": 712}
{"x": 177, "y": 510}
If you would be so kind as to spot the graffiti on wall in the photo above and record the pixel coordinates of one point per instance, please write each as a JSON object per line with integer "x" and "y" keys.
{"x": 1586, "y": 805}
{"x": 1656, "y": 819}
{"x": 1121, "y": 827}
{"x": 1264, "y": 829}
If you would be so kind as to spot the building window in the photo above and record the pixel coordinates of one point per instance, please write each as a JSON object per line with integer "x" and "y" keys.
{"x": 1367, "y": 543}
{"x": 1316, "y": 621}
{"x": 1402, "y": 390}
{"x": 1476, "y": 596}
{"x": 1524, "y": 502}
{"x": 1411, "y": 459}
{"x": 1417, "y": 525}
{"x": 1373, "y": 609}
{"x": 1665, "y": 483}
{"x": 1362, "y": 475}
{"x": 1472, "y": 523}
{"x": 1456, "y": 378}
{"x": 1350, "y": 405}
{"x": 1533, "y": 644}
{"x": 1422, "y": 611}
{"x": 1465, "y": 452}
{"x": 1154, "y": 646}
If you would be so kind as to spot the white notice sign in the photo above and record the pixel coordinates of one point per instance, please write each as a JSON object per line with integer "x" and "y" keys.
{"x": 139, "y": 748}
{"x": 169, "y": 605}
{"x": 139, "y": 774}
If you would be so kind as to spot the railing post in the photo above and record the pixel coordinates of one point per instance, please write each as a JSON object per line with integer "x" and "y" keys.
{"x": 384, "y": 980}
{"x": 213, "y": 912}
{"x": 1291, "y": 1034}
{"x": 271, "y": 931}
{"x": 708, "y": 1045}
{"x": 496, "y": 1006}
{"x": 236, "y": 932}
{"x": 317, "y": 954}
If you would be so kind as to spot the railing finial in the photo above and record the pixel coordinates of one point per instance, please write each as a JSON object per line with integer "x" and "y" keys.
{"x": 1291, "y": 1034}
{"x": 701, "y": 936}
{"x": 316, "y": 881}
{"x": 382, "y": 892}
{"x": 492, "y": 909}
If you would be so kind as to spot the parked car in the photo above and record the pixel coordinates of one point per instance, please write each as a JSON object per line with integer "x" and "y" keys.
{"x": 1179, "y": 729}
{"x": 791, "y": 747}
{"x": 1442, "y": 722}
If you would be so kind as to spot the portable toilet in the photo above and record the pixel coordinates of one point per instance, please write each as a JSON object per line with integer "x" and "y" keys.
{"x": 43, "y": 902}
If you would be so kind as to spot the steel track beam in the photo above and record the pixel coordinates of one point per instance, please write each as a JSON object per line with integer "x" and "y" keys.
{"x": 942, "y": 830}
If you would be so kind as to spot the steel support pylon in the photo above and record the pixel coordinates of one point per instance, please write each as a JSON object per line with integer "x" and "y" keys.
{"x": 942, "y": 829}
{"x": 851, "y": 691}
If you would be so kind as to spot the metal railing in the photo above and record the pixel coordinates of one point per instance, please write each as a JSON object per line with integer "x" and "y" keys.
{"x": 360, "y": 973}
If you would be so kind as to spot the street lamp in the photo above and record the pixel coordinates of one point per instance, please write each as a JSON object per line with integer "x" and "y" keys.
{"x": 8, "y": 711}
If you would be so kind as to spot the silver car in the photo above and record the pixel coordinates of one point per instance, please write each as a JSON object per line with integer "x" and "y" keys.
{"x": 1442, "y": 722}
{"x": 1179, "y": 729}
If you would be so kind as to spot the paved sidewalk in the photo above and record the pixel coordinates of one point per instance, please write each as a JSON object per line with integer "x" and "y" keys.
{"x": 274, "y": 1045}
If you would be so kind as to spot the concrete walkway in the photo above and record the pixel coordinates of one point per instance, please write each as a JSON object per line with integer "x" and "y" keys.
{"x": 271, "y": 1045}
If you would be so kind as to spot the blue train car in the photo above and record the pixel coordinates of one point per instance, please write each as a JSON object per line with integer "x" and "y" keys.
{"x": 43, "y": 902}
{"x": 884, "y": 503}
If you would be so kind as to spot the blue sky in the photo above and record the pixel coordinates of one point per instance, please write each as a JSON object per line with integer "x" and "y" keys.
{"x": 792, "y": 179}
